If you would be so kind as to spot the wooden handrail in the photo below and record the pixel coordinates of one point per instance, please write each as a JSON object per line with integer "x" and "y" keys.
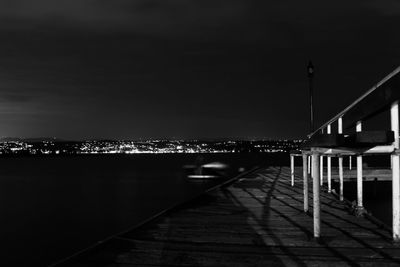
{"x": 385, "y": 95}
{"x": 358, "y": 100}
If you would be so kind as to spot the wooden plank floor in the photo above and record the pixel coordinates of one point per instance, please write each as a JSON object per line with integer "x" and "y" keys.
{"x": 256, "y": 221}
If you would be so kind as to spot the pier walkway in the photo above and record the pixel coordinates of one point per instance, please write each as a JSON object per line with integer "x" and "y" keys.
{"x": 258, "y": 220}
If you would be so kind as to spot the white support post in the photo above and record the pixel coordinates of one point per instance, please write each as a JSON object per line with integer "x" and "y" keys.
{"x": 396, "y": 197}
{"x": 305, "y": 182}
{"x": 321, "y": 173}
{"x": 292, "y": 169}
{"x": 340, "y": 125}
{"x": 329, "y": 165}
{"x": 394, "y": 121}
{"x": 341, "y": 177}
{"x": 350, "y": 165}
{"x": 316, "y": 196}
{"x": 340, "y": 131}
{"x": 309, "y": 164}
{"x": 359, "y": 176}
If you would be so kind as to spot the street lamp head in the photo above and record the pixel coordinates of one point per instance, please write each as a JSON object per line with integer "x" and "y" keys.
{"x": 310, "y": 69}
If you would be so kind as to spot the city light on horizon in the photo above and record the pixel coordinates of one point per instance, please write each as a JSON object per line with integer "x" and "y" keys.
{"x": 46, "y": 147}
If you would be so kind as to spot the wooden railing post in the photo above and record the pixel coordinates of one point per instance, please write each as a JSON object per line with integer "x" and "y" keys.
{"x": 394, "y": 121}
{"x": 329, "y": 174}
{"x": 329, "y": 165}
{"x": 316, "y": 196}
{"x": 305, "y": 182}
{"x": 292, "y": 169}
{"x": 360, "y": 207}
{"x": 350, "y": 165}
{"x": 340, "y": 131}
{"x": 340, "y": 159}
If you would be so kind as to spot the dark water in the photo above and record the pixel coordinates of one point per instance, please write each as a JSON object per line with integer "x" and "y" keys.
{"x": 51, "y": 207}
{"x": 377, "y": 198}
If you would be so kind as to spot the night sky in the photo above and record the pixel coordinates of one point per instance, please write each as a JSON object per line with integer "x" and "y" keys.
{"x": 130, "y": 69}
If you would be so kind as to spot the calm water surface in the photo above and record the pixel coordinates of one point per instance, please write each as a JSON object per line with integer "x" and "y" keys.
{"x": 377, "y": 198}
{"x": 53, "y": 206}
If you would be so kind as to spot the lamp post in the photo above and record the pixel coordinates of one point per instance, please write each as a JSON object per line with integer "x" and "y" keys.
{"x": 310, "y": 72}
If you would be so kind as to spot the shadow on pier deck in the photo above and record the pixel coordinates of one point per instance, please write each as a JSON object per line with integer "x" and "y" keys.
{"x": 256, "y": 221}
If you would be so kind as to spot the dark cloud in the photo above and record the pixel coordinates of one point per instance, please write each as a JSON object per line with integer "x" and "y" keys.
{"x": 180, "y": 68}
{"x": 146, "y": 16}
{"x": 15, "y": 98}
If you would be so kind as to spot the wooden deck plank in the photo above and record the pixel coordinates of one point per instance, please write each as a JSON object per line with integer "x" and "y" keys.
{"x": 256, "y": 221}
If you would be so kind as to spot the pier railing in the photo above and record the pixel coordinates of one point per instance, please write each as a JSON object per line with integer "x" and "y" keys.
{"x": 382, "y": 97}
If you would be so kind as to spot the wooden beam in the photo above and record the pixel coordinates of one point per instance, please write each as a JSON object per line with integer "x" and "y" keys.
{"x": 324, "y": 140}
{"x": 359, "y": 140}
{"x": 369, "y": 138}
{"x": 388, "y": 149}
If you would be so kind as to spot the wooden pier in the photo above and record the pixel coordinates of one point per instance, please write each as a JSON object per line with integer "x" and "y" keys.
{"x": 383, "y": 97}
{"x": 258, "y": 220}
